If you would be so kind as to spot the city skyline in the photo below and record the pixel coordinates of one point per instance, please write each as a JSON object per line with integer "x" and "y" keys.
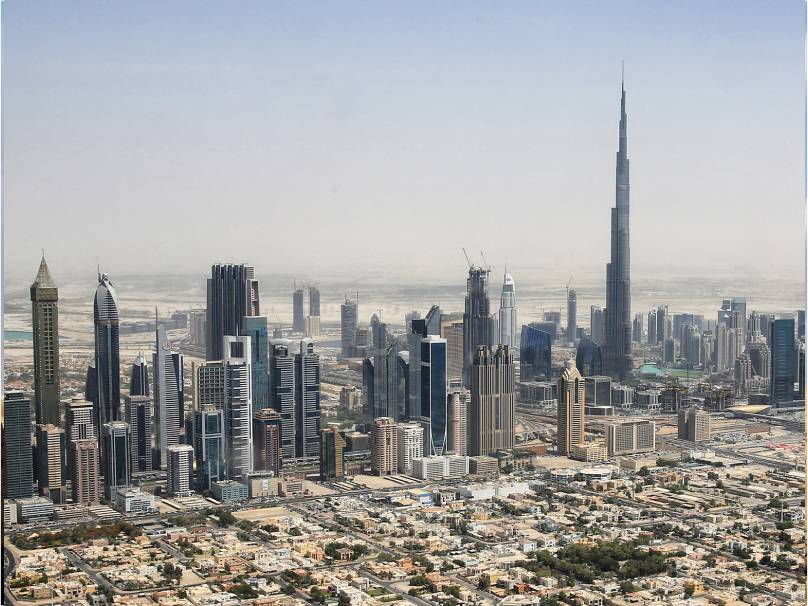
{"x": 352, "y": 119}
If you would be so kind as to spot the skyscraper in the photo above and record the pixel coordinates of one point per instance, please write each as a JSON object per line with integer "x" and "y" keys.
{"x": 45, "y": 315}
{"x": 694, "y": 425}
{"x": 433, "y": 394}
{"x": 652, "y": 327}
{"x": 139, "y": 380}
{"x": 384, "y": 447}
{"x": 597, "y": 325}
{"x": 314, "y": 301}
{"x": 179, "y": 465}
{"x": 51, "y": 467}
{"x": 237, "y": 407}
{"x": 332, "y": 461}
{"x": 138, "y": 415}
{"x": 478, "y": 323}
{"x": 639, "y": 327}
{"x": 457, "y": 429}
{"x": 267, "y": 428}
{"x": 107, "y": 353}
{"x": 491, "y": 415}
{"x": 255, "y": 327}
{"x": 571, "y": 404}
{"x": 588, "y": 357}
{"x": 282, "y": 392}
{"x": 115, "y": 440}
{"x": 783, "y": 361}
{"x": 572, "y": 316}
{"x": 232, "y": 295}
{"x": 307, "y": 400}
{"x": 535, "y": 354}
{"x": 410, "y": 445}
{"x": 298, "y": 316}
{"x": 618, "y": 270}
{"x": 18, "y": 465}
{"x": 507, "y": 312}
{"x": 84, "y": 471}
{"x": 169, "y": 396}
{"x": 349, "y": 319}
{"x": 209, "y": 445}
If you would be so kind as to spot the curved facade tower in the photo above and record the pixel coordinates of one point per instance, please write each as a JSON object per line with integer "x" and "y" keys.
{"x": 507, "y": 312}
{"x": 618, "y": 270}
{"x": 107, "y": 353}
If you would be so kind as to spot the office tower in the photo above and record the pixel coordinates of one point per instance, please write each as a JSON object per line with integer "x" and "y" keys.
{"x": 349, "y": 319}
{"x": 255, "y": 327}
{"x": 384, "y": 447}
{"x": 637, "y": 328}
{"x": 597, "y": 324}
{"x": 400, "y": 384}
{"x": 268, "y": 451}
{"x": 572, "y": 316}
{"x": 453, "y": 333}
{"x": 694, "y": 425}
{"x": 314, "y": 301}
{"x": 409, "y": 317}
{"x": 51, "y": 466}
{"x": 457, "y": 429}
{"x": 535, "y": 354}
{"x": 332, "y": 459}
{"x": 707, "y": 349}
{"x": 169, "y": 396}
{"x": 410, "y": 444}
{"x": 800, "y": 323}
{"x": 662, "y": 318}
{"x": 179, "y": 467}
{"x": 298, "y": 319}
{"x": 652, "y": 327}
{"x": 507, "y": 312}
{"x": 669, "y": 350}
{"x": 733, "y": 314}
{"x": 491, "y": 413}
{"x": 691, "y": 345}
{"x": 80, "y": 420}
{"x": 282, "y": 392}
{"x": 84, "y": 472}
{"x": 368, "y": 389}
{"x": 598, "y": 390}
{"x": 630, "y": 436}
{"x": 45, "y": 316}
{"x": 18, "y": 465}
{"x": 232, "y": 295}
{"x": 138, "y": 415}
{"x": 107, "y": 353}
{"x": 307, "y": 400}
{"x": 571, "y": 401}
{"x": 433, "y": 394}
{"x": 139, "y": 379}
{"x": 237, "y": 407}
{"x": 116, "y": 448}
{"x": 743, "y": 372}
{"x": 209, "y": 446}
{"x": 783, "y": 361}
{"x": 589, "y": 358}
{"x": 197, "y": 327}
{"x": 618, "y": 270}
{"x": 478, "y": 323}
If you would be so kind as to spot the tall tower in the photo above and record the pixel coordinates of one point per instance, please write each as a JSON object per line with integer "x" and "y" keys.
{"x": 298, "y": 318}
{"x": 139, "y": 381}
{"x": 571, "y": 402}
{"x": 116, "y": 447}
{"x": 491, "y": 415}
{"x": 255, "y": 327}
{"x": 138, "y": 415}
{"x": 51, "y": 450}
{"x": 618, "y": 270}
{"x": 45, "y": 314}
{"x": 107, "y": 353}
{"x": 238, "y": 407}
{"x": 169, "y": 396}
{"x": 572, "y": 316}
{"x": 507, "y": 312}
{"x": 18, "y": 466}
{"x": 433, "y": 387}
{"x": 307, "y": 400}
{"x": 478, "y": 323}
{"x": 267, "y": 451}
{"x": 349, "y": 321}
{"x": 282, "y": 392}
{"x": 232, "y": 294}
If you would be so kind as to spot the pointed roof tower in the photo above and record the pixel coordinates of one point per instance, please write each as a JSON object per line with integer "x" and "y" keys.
{"x": 43, "y": 277}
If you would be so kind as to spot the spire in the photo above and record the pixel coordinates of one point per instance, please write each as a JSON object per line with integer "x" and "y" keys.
{"x": 43, "y": 278}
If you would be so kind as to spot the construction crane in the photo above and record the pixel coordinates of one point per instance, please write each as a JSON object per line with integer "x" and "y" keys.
{"x": 467, "y": 258}
{"x": 568, "y": 287}
{"x": 487, "y": 266}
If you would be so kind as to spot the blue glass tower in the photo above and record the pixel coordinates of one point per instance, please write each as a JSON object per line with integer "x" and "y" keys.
{"x": 783, "y": 356}
{"x": 255, "y": 327}
{"x": 433, "y": 394}
{"x": 534, "y": 354}
{"x": 588, "y": 358}
{"x": 107, "y": 353}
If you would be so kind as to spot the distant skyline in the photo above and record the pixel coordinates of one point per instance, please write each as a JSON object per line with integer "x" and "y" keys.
{"x": 356, "y": 138}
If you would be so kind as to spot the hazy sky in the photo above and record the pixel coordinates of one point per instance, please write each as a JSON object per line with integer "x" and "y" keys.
{"x": 158, "y": 137}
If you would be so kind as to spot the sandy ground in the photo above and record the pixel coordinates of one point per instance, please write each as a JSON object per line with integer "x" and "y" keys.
{"x": 265, "y": 514}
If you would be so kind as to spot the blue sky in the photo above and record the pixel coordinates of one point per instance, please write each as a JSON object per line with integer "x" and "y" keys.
{"x": 364, "y": 136}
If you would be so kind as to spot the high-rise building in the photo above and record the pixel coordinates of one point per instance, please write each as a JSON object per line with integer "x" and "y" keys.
{"x": 232, "y": 295}
{"x": 45, "y": 316}
{"x": 588, "y": 357}
{"x": 80, "y": 420}
{"x": 507, "y": 312}
{"x": 453, "y": 333}
{"x": 85, "y": 464}
{"x": 618, "y": 270}
{"x": 349, "y": 320}
{"x": 571, "y": 404}
{"x": 478, "y": 323}
{"x": 743, "y": 372}
{"x": 433, "y": 394}
{"x": 139, "y": 379}
{"x": 237, "y": 407}
{"x": 307, "y": 400}
{"x": 314, "y": 301}
{"x": 18, "y": 464}
{"x": 267, "y": 430}
{"x": 255, "y": 327}
{"x": 630, "y": 436}
{"x": 597, "y": 324}
{"x": 298, "y": 316}
{"x": 493, "y": 398}
{"x": 572, "y": 316}
{"x": 783, "y": 361}
{"x": 169, "y": 396}
{"x": 197, "y": 322}
{"x": 410, "y": 443}
{"x": 691, "y": 346}
{"x": 535, "y": 354}
{"x": 179, "y": 468}
{"x": 209, "y": 446}
{"x": 138, "y": 415}
{"x": 282, "y": 392}
{"x": 107, "y": 353}
{"x": 457, "y": 429}
{"x": 694, "y": 425}
{"x": 662, "y": 318}
{"x": 638, "y": 327}
{"x": 598, "y": 390}
{"x": 116, "y": 449}
{"x": 332, "y": 460}
{"x": 384, "y": 447}
{"x": 51, "y": 467}
{"x": 652, "y": 326}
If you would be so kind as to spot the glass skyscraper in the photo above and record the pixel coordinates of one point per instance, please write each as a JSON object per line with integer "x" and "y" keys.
{"x": 45, "y": 316}
{"x": 783, "y": 360}
{"x": 18, "y": 466}
{"x": 588, "y": 358}
{"x": 534, "y": 354}
{"x": 107, "y": 353}
{"x": 433, "y": 394}
{"x": 232, "y": 295}
{"x": 255, "y": 327}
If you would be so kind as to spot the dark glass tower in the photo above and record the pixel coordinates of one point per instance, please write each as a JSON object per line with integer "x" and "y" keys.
{"x": 307, "y": 400}
{"x": 107, "y": 353}
{"x": 535, "y": 354}
{"x": 139, "y": 381}
{"x": 255, "y": 327}
{"x": 232, "y": 294}
{"x": 18, "y": 464}
{"x": 783, "y": 361}
{"x": 298, "y": 318}
{"x": 45, "y": 313}
{"x": 618, "y": 270}
{"x": 479, "y": 327}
